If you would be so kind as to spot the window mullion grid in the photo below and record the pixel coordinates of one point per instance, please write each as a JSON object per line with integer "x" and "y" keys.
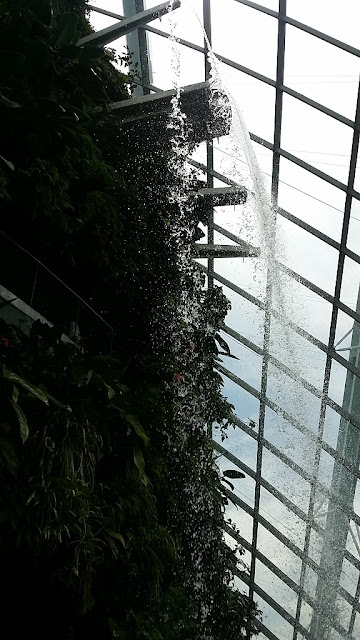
{"x": 269, "y": 286}
{"x": 329, "y": 357}
{"x": 353, "y": 613}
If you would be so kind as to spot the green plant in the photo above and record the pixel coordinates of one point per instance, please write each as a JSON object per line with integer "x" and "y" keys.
{"x": 111, "y": 506}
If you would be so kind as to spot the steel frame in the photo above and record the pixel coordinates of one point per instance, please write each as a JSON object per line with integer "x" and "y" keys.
{"x": 264, "y": 352}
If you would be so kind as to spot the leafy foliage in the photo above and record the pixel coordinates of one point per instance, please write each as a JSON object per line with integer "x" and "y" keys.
{"x": 111, "y": 506}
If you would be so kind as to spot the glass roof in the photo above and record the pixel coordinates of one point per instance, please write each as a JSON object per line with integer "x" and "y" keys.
{"x": 293, "y": 69}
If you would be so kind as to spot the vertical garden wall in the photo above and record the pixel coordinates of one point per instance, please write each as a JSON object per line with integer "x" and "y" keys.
{"x": 111, "y": 506}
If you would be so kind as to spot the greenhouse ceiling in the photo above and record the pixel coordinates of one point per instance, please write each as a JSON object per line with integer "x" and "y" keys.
{"x": 293, "y": 70}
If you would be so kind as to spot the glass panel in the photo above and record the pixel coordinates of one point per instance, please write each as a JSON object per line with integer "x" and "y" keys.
{"x": 353, "y": 239}
{"x": 344, "y": 325}
{"x": 184, "y": 22}
{"x": 357, "y": 174}
{"x": 241, "y": 519}
{"x": 293, "y": 398}
{"x": 315, "y": 547}
{"x": 323, "y": 72}
{"x": 310, "y": 582}
{"x": 351, "y": 544}
{"x": 246, "y": 406}
{"x": 162, "y": 60}
{"x": 326, "y": 467}
{"x": 289, "y": 440}
{"x": 310, "y": 198}
{"x": 248, "y": 364}
{"x": 325, "y": 16}
{"x": 309, "y": 256}
{"x": 256, "y": 99}
{"x": 275, "y": 587}
{"x": 285, "y": 480}
{"x": 270, "y": 4}
{"x": 310, "y": 365}
{"x": 244, "y": 487}
{"x": 304, "y": 127}
{"x": 282, "y": 518}
{"x": 349, "y": 577}
{"x": 350, "y": 283}
{"x": 99, "y": 21}
{"x": 240, "y": 444}
{"x": 331, "y": 427}
{"x": 306, "y": 614}
{"x": 342, "y": 612}
{"x": 274, "y": 621}
{"x": 356, "y": 631}
{"x": 337, "y": 382}
{"x": 244, "y": 556}
{"x": 321, "y": 506}
{"x": 244, "y": 273}
{"x": 245, "y": 317}
{"x": 235, "y": 20}
{"x": 357, "y": 503}
{"x": 264, "y": 158}
{"x": 311, "y": 311}
{"x": 279, "y": 554}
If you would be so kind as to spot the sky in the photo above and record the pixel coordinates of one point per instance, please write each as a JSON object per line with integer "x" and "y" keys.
{"x": 329, "y": 76}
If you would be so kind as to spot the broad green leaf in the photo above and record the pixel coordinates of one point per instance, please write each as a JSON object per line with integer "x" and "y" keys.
{"x": 24, "y": 427}
{"x": 222, "y": 343}
{"x": 30, "y": 498}
{"x": 140, "y": 464}
{"x": 68, "y": 23}
{"x": 8, "y": 103}
{"x": 42, "y": 388}
{"x": 137, "y": 426}
{"x": 231, "y": 473}
{"x": 110, "y": 390}
{"x": 35, "y": 391}
{"x": 15, "y": 394}
{"x": 58, "y": 404}
{"x": 117, "y": 536}
{"x": 229, "y": 483}
{"x": 8, "y": 163}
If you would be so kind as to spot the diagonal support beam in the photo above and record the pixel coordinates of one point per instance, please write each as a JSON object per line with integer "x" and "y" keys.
{"x": 105, "y": 36}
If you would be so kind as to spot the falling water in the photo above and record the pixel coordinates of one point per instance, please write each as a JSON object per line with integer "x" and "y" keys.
{"x": 280, "y": 309}
{"x": 279, "y": 303}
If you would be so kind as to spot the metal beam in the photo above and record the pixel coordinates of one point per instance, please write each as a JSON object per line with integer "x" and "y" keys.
{"x": 196, "y": 102}
{"x": 109, "y": 34}
{"x": 226, "y": 251}
{"x": 221, "y": 196}
{"x": 137, "y": 43}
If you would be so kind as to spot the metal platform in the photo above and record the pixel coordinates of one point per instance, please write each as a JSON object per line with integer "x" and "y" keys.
{"x": 197, "y": 102}
{"x": 243, "y": 250}
{"x": 222, "y": 197}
